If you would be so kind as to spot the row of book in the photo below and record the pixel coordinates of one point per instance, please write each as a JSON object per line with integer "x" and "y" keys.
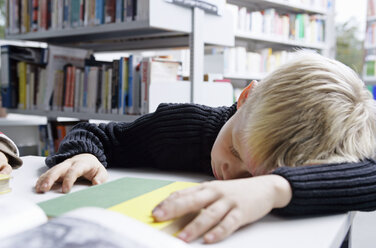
{"x": 290, "y": 26}
{"x": 239, "y": 61}
{"x": 25, "y": 16}
{"x": 73, "y": 81}
{"x": 51, "y": 135}
{"x": 371, "y": 5}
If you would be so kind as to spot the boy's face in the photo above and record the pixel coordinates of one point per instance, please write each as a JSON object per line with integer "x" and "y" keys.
{"x": 229, "y": 157}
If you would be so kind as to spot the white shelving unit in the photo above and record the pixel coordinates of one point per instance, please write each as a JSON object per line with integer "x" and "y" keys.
{"x": 280, "y": 4}
{"x": 369, "y": 53}
{"x": 167, "y": 26}
{"x": 254, "y": 41}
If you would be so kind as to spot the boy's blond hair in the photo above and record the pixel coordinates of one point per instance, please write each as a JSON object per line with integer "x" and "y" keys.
{"x": 310, "y": 110}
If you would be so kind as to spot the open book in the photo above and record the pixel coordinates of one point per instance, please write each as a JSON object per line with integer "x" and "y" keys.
{"x": 24, "y": 224}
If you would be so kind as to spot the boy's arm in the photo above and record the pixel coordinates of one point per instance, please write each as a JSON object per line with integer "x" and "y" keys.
{"x": 330, "y": 188}
{"x": 176, "y": 136}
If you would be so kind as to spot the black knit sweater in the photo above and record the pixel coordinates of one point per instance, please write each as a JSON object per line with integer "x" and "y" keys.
{"x": 180, "y": 137}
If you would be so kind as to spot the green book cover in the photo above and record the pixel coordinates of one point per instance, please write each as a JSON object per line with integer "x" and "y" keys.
{"x": 105, "y": 195}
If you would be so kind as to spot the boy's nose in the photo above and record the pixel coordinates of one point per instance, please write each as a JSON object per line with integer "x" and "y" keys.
{"x": 233, "y": 171}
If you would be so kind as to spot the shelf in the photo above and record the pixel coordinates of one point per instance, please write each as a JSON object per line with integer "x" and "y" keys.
{"x": 156, "y": 31}
{"x": 81, "y": 116}
{"x": 239, "y": 76}
{"x": 273, "y": 40}
{"x": 369, "y": 79}
{"x": 371, "y": 18}
{"x": 369, "y": 47}
{"x": 278, "y": 4}
{"x": 132, "y": 35}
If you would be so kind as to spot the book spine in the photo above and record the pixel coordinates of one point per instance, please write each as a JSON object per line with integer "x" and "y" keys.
{"x": 119, "y": 11}
{"x": 99, "y": 12}
{"x": 28, "y": 88}
{"x": 25, "y": 16}
{"x": 130, "y": 102}
{"x": 72, "y": 82}
{"x": 98, "y": 93}
{"x": 77, "y": 86}
{"x": 129, "y": 10}
{"x": 60, "y": 14}
{"x": 115, "y": 89}
{"x": 75, "y": 13}
{"x": 85, "y": 89}
{"x": 109, "y": 93}
{"x": 21, "y": 66}
{"x": 145, "y": 79}
{"x": 125, "y": 86}
{"x": 110, "y": 11}
{"x": 82, "y": 13}
{"x": 6, "y": 89}
{"x": 142, "y": 10}
{"x": 121, "y": 94}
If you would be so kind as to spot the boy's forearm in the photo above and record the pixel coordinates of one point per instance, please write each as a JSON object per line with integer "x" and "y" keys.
{"x": 282, "y": 192}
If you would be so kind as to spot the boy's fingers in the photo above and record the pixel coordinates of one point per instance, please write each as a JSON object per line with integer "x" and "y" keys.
{"x": 47, "y": 179}
{"x": 5, "y": 169}
{"x": 228, "y": 225}
{"x": 101, "y": 176}
{"x": 205, "y": 220}
{"x": 74, "y": 172}
{"x": 178, "y": 206}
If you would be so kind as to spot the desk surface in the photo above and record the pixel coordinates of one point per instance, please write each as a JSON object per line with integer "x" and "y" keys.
{"x": 271, "y": 231}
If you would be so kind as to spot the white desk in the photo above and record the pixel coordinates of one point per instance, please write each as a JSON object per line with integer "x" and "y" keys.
{"x": 271, "y": 231}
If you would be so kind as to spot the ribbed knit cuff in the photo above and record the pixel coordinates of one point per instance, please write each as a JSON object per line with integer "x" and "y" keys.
{"x": 330, "y": 188}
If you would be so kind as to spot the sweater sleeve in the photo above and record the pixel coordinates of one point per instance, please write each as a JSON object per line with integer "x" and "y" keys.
{"x": 330, "y": 188}
{"x": 175, "y": 137}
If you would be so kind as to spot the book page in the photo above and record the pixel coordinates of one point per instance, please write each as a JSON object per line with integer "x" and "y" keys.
{"x": 17, "y": 215}
{"x": 92, "y": 227}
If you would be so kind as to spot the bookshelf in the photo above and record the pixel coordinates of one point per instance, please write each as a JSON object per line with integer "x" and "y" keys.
{"x": 191, "y": 27}
{"x": 255, "y": 39}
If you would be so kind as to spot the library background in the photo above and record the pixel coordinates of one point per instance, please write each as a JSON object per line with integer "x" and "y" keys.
{"x": 66, "y": 61}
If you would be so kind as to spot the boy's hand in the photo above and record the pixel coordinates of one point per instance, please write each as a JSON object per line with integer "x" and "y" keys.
{"x": 85, "y": 165}
{"x": 5, "y": 168}
{"x": 225, "y": 205}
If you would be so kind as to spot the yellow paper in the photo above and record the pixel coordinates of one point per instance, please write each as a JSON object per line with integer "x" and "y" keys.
{"x": 141, "y": 207}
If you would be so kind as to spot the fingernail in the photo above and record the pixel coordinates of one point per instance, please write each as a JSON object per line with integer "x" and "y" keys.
{"x": 65, "y": 189}
{"x": 209, "y": 238}
{"x": 44, "y": 186}
{"x": 159, "y": 213}
{"x": 183, "y": 236}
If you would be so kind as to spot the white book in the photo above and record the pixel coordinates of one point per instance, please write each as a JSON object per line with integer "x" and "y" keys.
{"x": 24, "y": 224}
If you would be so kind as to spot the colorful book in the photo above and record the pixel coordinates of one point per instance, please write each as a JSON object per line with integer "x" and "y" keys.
{"x": 133, "y": 197}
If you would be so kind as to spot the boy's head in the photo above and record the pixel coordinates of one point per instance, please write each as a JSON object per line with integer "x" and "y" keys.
{"x": 311, "y": 110}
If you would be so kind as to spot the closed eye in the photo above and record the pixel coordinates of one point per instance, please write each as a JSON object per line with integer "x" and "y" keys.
{"x": 235, "y": 153}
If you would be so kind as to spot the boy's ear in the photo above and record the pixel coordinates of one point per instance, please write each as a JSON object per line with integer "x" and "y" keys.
{"x": 244, "y": 95}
